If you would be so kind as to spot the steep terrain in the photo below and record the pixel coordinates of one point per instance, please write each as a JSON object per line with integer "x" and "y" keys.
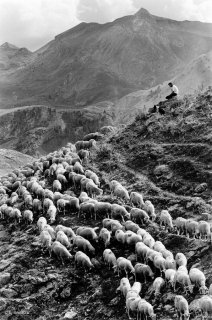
{"x": 95, "y": 62}
{"x": 12, "y": 57}
{"x": 37, "y": 130}
{"x": 167, "y": 159}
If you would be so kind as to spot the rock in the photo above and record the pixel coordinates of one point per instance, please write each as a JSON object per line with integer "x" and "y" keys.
{"x": 8, "y": 293}
{"x": 4, "y": 264}
{"x": 201, "y": 187}
{"x": 4, "y": 235}
{"x": 70, "y": 315}
{"x": 3, "y": 304}
{"x": 4, "y": 278}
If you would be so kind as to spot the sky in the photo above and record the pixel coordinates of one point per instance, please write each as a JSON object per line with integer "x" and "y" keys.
{"x": 33, "y": 23}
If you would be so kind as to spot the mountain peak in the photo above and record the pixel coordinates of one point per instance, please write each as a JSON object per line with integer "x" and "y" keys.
{"x": 142, "y": 13}
{"x": 7, "y": 45}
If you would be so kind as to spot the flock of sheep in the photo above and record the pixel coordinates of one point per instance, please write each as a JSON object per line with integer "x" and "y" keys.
{"x": 24, "y": 196}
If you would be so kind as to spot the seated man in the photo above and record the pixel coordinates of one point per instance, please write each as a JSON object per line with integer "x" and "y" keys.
{"x": 174, "y": 91}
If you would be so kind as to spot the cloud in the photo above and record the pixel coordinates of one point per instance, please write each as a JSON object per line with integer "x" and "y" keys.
{"x": 32, "y": 23}
{"x": 103, "y": 10}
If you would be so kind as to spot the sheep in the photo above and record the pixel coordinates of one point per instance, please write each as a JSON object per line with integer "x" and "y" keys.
{"x": 62, "y": 238}
{"x": 210, "y": 290}
{"x": 136, "y": 287}
{"x": 46, "y": 240}
{"x": 119, "y": 211}
{"x": 146, "y": 309}
{"x": 88, "y": 233}
{"x": 83, "y": 197}
{"x": 60, "y": 251}
{"x": 133, "y": 238}
{"x": 148, "y": 240}
{"x": 141, "y": 232}
{"x": 47, "y": 203}
{"x": 115, "y": 225}
{"x": 183, "y": 279}
{"x": 197, "y": 277}
{"x": 139, "y": 215}
{"x": 78, "y": 168}
{"x": 36, "y": 206}
{"x": 113, "y": 184}
{"x": 57, "y": 186}
{"x": 49, "y": 194}
{"x": 74, "y": 204}
{"x": 192, "y": 228}
{"x": 50, "y": 230}
{"x": 121, "y": 192}
{"x": 141, "y": 250}
{"x": 170, "y": 276}
{"x": 105, "y": 236}
{"x": 102, "y": 209}
{"x": 61, "y": 205}
{"x": 28, "y": 216}
{"x": 130, "y": 225}
{"x": 167, "y": 254}
{"x": 83, "y": 260}
{"x": 107, "y": 222}
{"x": 204, "y": 230}
{"x": 181, "y": 259}
{"x": 159, "y": 246}
{"x": 109, "y": 258}
{"x": 136, "y": 199}
{"x": 183, "y": 269}
{"x": 120, "y": 236}
{"x": 86, "y": 208}
{"x": 67, "y": 230}
{"x": 180, "y": 224}
{"x": 83, "y": 244}
{"x": 158, "y": 284}
{"x": 166, "y": 220}
{"x": 181, "y": 307}
{"x": 124, "y": 286}
{"x": 124, "y": 264}
{"x": 132, "y": 304}
{"x": 150, "y": 209}
{"x": 62, "y": 179}
{"x": 95, "y": 178}
{"x": 205, "y": 305}
{"x": 144, "y": 270}
{"x": 13, "y": 198}
{"x": 28, "y": 201}
{"x": 170, "y": 263}
{"x": 41, "y": 223}
{"x": 93, "y": 190}
{"x": 159, "y": 263}
{"x": 84, "y": 155}
{"x": 83, "y": 183}
{"x": 52, "y": 211}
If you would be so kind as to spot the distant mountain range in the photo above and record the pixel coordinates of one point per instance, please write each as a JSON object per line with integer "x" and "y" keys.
{"x": 103, "y": 62}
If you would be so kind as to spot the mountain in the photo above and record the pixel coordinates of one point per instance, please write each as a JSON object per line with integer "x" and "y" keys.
{"x": 12, "y": 57}
{"x": 95, "y": 62}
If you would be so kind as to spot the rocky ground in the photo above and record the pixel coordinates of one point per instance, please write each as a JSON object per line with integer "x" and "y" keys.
{"x": 168, "y": 159}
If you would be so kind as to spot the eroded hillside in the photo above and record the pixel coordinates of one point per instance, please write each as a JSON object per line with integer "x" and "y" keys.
{"x": 159, "y": 156}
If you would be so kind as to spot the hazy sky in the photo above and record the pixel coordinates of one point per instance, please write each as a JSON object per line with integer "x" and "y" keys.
{"x": 32, "y": 23}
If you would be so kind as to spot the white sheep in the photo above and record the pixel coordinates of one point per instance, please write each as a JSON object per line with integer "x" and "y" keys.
{"x": 52, "y": 211}
{"x": 62, "y": 238}
{"x": 192, "y": 228}
{"x": 150, "y": 209}
{"x": 132, "y": 304}
{"x": 170, "y": 276}
{"x": 83, "y": 244}
{"x": 109, "y": 258}
{"x": 181, "y": 307}
{"x": 92, "y": 189}
{"x": 136, "y": 287}
{"x": 83, "y": 260}
{"x": 180, "y": 224}
{"x": 78, "y": 168}
{"x": 50, "y": 230}
{"x": 60, "y": 251}
{"x": 130, "y": 225}
{"x": 118, "y": 211}
{"x": 210, "y": 290}
{"x": 86, "y": 208}
{"x": 143, "y": 270}
{"x": 67, "y": 230}
{"x": 141, "y": 232}
{"x": 120, "y": 236}
{"x": 181, "y": 259}
{"x": 205, "y": 305}
{"x": 124, "y": 286}
{"x": 132, "y": 238}
{"x": 46, "y": 240}
{"x": 148, "y": 240}
{"x": 115, "y": 225}
{"x": 166, "y": 220}
{"x": 158, "y": 284}
{"x": 159, "y": 263}
{"x": 113, "y": 185}
{"x": 141, "y": 250}
{"x": 184, "y": 280}
{"x": 204, "y": 230}
{"x": 105, "y": 236}
{"x": 138, "y": 215}
{"x": 88, "y": 233}
{"x": 47, "y": 203}
{"x": 170, "y": 263}
{"x": 102, "y": 209}
{"x": 159, "y": 246}
{"x": 41, "y": 223}
{"x": 121, "y": 192}
{"x": 28, "y": 216}
{"x": 136, "y": 199}
{"x": 145, "y": 309}
{"x": 197, "y": 278}
{"x": 125, "y": 265}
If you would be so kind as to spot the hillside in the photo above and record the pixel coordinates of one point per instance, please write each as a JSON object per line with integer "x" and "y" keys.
{"x": 12, "y": 57}
{"x": 95, "y": 62}
{"x": 165, "y": 158}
